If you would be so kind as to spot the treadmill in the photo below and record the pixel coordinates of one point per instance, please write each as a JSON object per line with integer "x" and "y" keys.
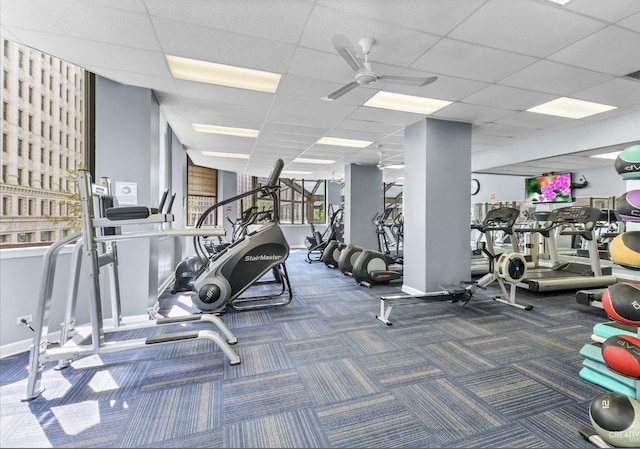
{"x": 563, "y": 275}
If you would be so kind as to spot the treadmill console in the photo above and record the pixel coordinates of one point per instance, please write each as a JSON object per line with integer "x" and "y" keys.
{"x": 501, "y": 218}
{"x": 581, "y": 220}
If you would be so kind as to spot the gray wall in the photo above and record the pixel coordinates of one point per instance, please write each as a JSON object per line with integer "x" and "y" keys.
{"x": 602, "y": 181}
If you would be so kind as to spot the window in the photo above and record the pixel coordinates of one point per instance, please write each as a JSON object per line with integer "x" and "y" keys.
{"x": 6, "y": 48}
{"x": 302, "y": 201}
{"x": 201, "y": 193}
{"x": 33, "y": 206}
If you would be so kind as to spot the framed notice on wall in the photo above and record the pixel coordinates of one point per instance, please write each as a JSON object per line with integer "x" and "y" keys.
{"x": 127, "y": 193}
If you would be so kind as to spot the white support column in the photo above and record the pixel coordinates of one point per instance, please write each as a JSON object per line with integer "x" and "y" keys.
{"x": 437, "y": 201}
{"x": 362, "y": 200}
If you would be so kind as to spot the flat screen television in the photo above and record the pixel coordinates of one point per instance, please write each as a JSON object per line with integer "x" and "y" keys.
{"x": 554, "y": 188}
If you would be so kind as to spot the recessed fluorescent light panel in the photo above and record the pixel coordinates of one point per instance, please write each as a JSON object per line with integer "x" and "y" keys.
{"x": 611, "y": 155}
{"x": 223, "y": 75}
{"x": 295, "y": 172}
{"x": 394, "y": 166}
{"x": 560, "y": 2}
{"x": 571, "y": 108}
{"x": 344, "y": 142}
{"x": 214, "y": 129}
{"x": 303, "y": 160}
{"x": 406, "y": 103}
{"x": 231, "y": 155}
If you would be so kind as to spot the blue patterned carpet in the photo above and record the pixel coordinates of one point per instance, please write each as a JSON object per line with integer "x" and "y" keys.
{"x": 323, "y": 372}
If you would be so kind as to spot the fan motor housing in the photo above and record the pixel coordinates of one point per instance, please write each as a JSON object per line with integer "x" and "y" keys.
{"x": 366, "y": 77}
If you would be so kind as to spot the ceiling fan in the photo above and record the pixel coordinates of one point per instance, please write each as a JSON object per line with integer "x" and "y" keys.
{"x": 381, "y": 165}
{"x": 364, "y": 75}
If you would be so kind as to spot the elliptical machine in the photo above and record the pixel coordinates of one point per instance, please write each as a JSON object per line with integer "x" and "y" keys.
{"x": 373, "y": 267}
{"x": 242, "y": 264}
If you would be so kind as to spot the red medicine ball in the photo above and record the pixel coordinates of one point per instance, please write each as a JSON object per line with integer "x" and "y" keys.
{"x": 621, "y": 301}
{"x": 621, "y": 353}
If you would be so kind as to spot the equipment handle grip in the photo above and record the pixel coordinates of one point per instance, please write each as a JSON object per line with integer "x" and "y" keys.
{"x": 275, "y": 173}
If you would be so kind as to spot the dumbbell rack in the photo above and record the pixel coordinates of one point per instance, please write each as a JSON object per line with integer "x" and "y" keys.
{"x": 96, "y": 248}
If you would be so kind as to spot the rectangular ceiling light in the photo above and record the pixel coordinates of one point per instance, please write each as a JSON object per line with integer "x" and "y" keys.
{"x": 395, "y": 166}
{"x": 232, "y": 155}
{"x": 344, "y": 142}
{"x": 406, "y": 103}
{"x": 295, "y": 172}
{"x": 613, "y": 155}
{"x": 303, "y": 160}
{"x": 560, "y": 2}
{"x": 214, "y": 129}
{"x": 223, "y": 75}
{"x": 571, "y": 108}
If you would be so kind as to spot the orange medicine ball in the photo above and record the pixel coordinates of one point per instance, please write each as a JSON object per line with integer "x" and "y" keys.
{"x": 624, "y": 249}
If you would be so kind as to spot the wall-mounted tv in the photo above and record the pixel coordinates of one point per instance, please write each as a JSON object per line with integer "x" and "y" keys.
{"x": 554, "y": 188}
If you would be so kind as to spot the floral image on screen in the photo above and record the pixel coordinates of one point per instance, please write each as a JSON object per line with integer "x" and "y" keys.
{"x": 548, "y": 189}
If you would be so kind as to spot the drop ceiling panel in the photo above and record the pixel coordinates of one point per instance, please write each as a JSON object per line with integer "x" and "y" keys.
{"x": 508, "y": 98}
{"x": 198, "y": 42}
{"x": 465, "y": 60}
{"x": 221, "y": 95}
{"x": 612, "y": 10}
{"x": 614, "y": 50}
{"x": 295, "y": 129}
{"x": 631, "y": 22}
{"x": 281, "y": 22}
{"x": 516, "y": 22}
{"x": 466, "y": 112}
{"x": 554, "y": 78}
{"x": 617, "y": 91}
{"x": 437, "y": 16}
{"x": 446, "y": 87}
{"x": 84, "y": 20}
{"x": 533, "y": 120}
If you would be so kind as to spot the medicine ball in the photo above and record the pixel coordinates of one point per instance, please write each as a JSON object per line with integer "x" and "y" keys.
{"x": 621, "y": 353}
{"x": 621, "y": 301}
{"x": 624, "y": 249}
{"x": 186, "y": 273}
{"x": 628, "y": 205}
{"x": 627, "y": 163}
{"x": 616, "y": 418}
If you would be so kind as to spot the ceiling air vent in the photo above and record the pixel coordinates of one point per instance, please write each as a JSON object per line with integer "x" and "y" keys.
{"x": 634, "y": 75}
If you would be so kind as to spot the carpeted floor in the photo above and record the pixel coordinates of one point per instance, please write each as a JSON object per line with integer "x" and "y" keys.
{"x": 323, "y": 372}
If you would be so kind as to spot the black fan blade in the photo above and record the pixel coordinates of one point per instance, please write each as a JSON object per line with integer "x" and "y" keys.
{"x": 413, "y": 80}
{"x": 344, "y": 48}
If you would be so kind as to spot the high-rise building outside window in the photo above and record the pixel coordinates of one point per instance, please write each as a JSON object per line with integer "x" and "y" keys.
{"x": 27, "y": 125}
